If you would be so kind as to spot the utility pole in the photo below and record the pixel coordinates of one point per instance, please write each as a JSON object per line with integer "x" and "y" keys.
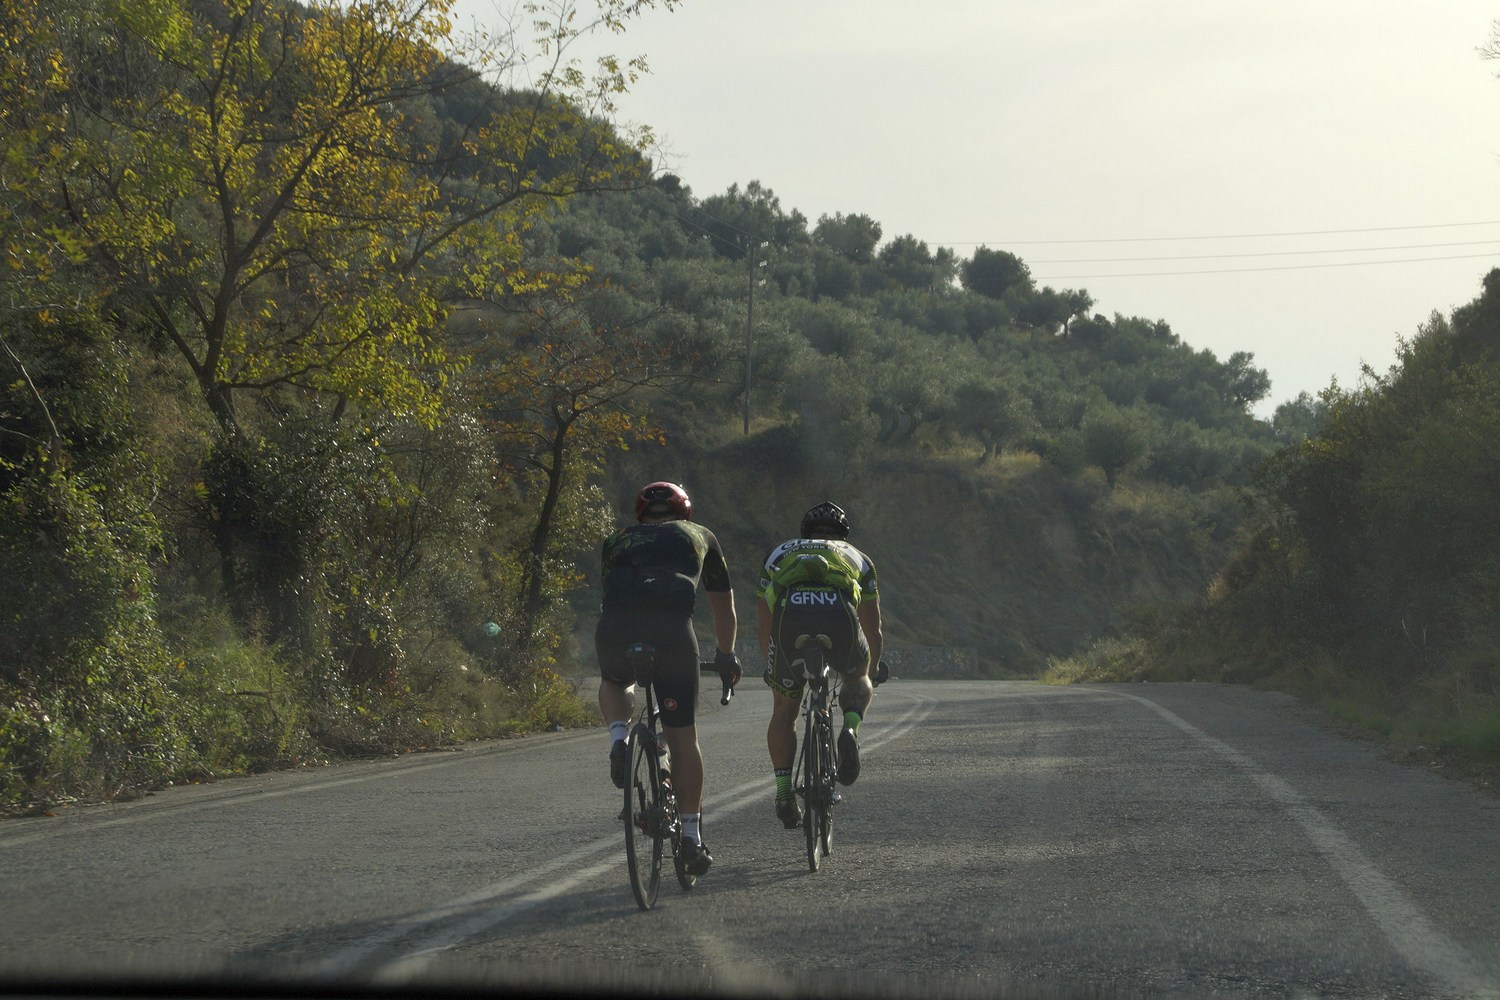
{"x": 754, "y": 245}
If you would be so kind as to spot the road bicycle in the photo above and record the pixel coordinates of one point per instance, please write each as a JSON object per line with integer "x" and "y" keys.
{"x": 817, "y": 759}
{"x": 817, "y": 767}
{"x": 652, "y": 823}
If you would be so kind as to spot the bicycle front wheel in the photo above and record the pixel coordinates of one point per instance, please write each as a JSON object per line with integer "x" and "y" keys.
{"x": 643, "y": 812}
{"x": 826, "y": 758}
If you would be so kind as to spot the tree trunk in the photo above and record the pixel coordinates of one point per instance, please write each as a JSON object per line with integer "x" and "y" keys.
{"x": 533, "y": 592}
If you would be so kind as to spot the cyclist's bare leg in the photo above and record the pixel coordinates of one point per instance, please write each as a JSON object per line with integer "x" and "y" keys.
{"x": 687, "y": 766}
{"x": 856, "y": 692}
{"x": 616, "y": 701}
{"x": 781, "y": 734}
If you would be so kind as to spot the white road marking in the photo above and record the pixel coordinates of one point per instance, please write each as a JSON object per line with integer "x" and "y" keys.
{"x": 414, "y": 960}
{"x": 424, "y": 937}
{"x": 1414, "y": 936}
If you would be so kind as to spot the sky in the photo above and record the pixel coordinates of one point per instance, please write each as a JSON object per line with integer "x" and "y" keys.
{"x": 1306, "y": 180}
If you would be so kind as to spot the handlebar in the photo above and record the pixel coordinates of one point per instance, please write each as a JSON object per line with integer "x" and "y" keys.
{"x": 711, "y": 667}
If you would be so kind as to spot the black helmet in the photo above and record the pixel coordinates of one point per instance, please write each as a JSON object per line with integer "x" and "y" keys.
{"x": 827, "y": 518}
{"x": 660, "y": 499}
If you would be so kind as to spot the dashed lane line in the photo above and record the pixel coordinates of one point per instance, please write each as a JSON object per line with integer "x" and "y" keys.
{"x": 423, "y": 938}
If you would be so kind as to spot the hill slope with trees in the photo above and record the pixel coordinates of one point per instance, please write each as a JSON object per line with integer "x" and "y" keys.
{"x": 1021, "y": 470}
{"x": 1369, "y": 577}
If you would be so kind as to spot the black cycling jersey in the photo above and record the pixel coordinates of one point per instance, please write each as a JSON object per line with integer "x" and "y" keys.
{"x": 651, "y": 576}
{"x": 659, "y": 566}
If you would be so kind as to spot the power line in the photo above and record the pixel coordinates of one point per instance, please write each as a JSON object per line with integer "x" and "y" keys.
{"x": 1227, "y": 236}
{"x": 1250, "y": 270}
{"x": 1265, "y": 253}
{"x": 713, "y": 235}
{"x": 1229, "y": 256}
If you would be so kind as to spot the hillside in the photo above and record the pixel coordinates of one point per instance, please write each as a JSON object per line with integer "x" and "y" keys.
{"x": 1027, "y": 475}
{"x": 1004, "y": 565}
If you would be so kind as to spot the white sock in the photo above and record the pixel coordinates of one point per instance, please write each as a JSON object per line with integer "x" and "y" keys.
{"x": 690, "y": 828}
{"x": 617, "y": 732}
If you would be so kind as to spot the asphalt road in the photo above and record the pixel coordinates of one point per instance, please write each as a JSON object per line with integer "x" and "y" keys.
{"x": 1004, "y": 839}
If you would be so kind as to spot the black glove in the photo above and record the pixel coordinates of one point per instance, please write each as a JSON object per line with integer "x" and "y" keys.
{"x": 729, "y": 667}
{"x": 882, "y": 673}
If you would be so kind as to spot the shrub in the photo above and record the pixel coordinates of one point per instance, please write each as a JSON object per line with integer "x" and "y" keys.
{"x": 88, "y": 706}
{"x": 1107, "y": 661}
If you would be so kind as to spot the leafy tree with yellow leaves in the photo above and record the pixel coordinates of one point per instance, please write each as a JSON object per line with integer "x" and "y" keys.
{"x": 248, "y": 175}
{"x": 289, "y": 198}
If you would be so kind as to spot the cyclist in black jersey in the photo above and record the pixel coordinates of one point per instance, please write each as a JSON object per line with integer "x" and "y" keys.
{"x": 841, "y": 601}
{"x": 651, "y": 572}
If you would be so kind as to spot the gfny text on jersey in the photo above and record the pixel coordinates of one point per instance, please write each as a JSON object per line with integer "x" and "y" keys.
{"x": 820, "y": 596}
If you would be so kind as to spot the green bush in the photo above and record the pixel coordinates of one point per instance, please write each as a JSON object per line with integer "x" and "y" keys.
{"x": 1113, "y": 660}
{"x": 241, "y": 709}
{"x": 88, "y": 705}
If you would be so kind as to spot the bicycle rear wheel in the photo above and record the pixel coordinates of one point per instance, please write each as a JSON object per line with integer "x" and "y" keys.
{"x": 643, "y": 812}
{"x": 814, "y": 797}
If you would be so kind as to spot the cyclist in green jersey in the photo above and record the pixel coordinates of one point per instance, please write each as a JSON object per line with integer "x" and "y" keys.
{"x": 838, "y": 597}
{"x": 651, "y": 572}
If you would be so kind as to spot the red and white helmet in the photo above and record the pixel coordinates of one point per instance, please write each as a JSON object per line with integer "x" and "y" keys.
{"x": 658, "y": 499}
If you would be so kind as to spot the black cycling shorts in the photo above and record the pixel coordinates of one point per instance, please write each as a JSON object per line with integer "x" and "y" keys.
{"x": 823, "y": 611}
{"x": 676, "y": 663}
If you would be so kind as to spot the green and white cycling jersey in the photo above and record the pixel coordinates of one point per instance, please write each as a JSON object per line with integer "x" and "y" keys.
{"x": 821, "y": 564}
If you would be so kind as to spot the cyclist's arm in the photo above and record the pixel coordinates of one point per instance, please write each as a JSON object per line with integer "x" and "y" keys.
{"x": 721, "y": 603}
{"x": 869, "y": 620}
{"x": 763, "y": 625}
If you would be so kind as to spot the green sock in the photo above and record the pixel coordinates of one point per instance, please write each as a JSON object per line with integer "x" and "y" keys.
{"x": 851, "y": 721}
{"x": 783, "y": 782}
